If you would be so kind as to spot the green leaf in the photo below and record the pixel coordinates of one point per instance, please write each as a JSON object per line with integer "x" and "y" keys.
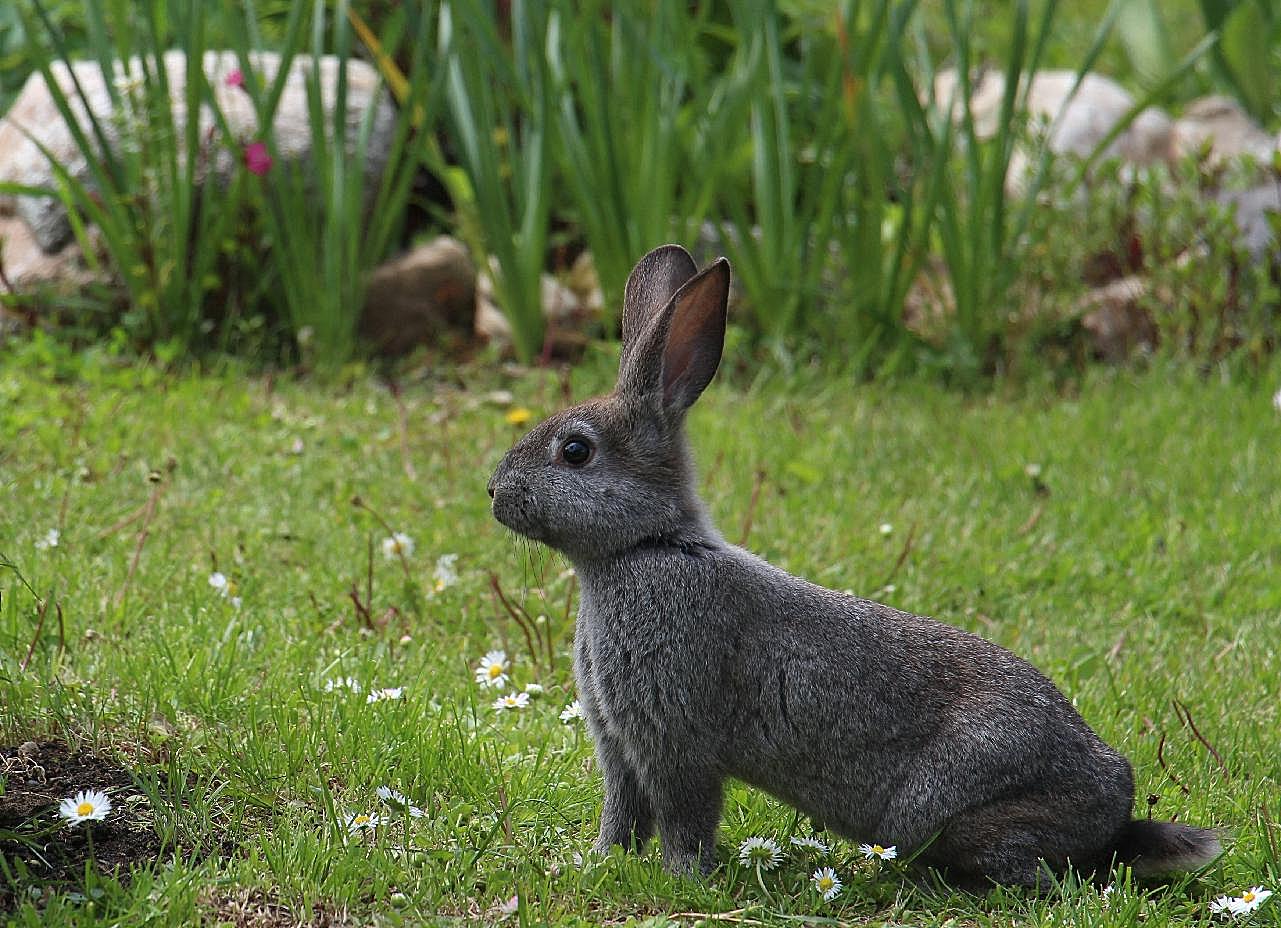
{"x": 1146, "y": 39}
{"x": 1245, "y": 44}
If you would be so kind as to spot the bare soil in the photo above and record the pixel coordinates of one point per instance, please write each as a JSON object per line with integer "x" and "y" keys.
{"x": 37, "y": 849}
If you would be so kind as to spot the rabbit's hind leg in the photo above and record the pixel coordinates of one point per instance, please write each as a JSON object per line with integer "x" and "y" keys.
{"x": 1011, "y": 842}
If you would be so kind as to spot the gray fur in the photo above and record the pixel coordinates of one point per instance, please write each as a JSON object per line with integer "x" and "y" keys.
{"x": 696, "y": 661}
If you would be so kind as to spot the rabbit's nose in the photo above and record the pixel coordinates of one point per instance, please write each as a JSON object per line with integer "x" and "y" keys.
{"x": 490, "y": 488}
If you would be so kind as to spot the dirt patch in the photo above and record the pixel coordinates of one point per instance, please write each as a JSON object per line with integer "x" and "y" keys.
{"x": 253, "y": 908}
{"x": 38, "y": 850}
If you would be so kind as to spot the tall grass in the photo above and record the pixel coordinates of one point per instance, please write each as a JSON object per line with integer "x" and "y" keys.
{"x": 626, "y": 85}
{"x": 804, "y": 137}
{"x": 177, "y": 239}
{"x": 163, "y": 228}
{"x": 327, "y": 229}
{"x": 499, "y": 109}
{"x": 798, "y": 150}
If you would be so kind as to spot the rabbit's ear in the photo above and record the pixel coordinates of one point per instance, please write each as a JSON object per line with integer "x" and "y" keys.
{"x": 650, "y": 286}
{"x": 679, "y": 352}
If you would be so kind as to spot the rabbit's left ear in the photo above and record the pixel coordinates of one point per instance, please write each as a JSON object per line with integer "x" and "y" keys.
{"x": 650, "y": 287}
{"x": 679, "y": 352}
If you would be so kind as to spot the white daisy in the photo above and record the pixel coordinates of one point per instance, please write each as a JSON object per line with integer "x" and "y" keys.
{"x": 512, "y": 701}
{"x": 225, "y": 586}
{"x": 50, "y": 540}
{"x": 875, "y": 850}
{"x": 492, "y": 671}
{"x": 572, "y": 713}
{"x": 534, "y": 689}
{"x": 390, "y": 692}
{"x": 1224, "y": 905}
{"x": 1033, "y": 470}
{"x": 1276, "y": 401}
{"x": 387, "y": 794}
{"x": 886, "y": 528}
{"x": 826, "y": 882}
{"x": 397, "y": 800}
{"x": 88, "y": 805}
{"x": 398, "y": 545}
{"x": 343, "y": 683}
{"x": 445, "y": 573}
{"x": 1252, "y": 898}
{"x": 810, "y": 844}
{"x": 760, "y": 852}
{"x": 357, "y": 822}
{"x": 1243, "y": 904}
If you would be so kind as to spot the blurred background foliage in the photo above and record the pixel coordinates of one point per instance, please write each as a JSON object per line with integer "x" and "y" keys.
{"x": 867, "y": 230}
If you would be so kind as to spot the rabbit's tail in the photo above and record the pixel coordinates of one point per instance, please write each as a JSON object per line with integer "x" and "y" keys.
{"x": 1152, "y": 848}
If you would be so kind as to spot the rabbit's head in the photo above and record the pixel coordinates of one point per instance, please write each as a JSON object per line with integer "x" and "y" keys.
{"x": 614, "y": 472}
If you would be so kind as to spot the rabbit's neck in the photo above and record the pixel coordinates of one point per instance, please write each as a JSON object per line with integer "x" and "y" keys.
{"x": 695, "y": 538}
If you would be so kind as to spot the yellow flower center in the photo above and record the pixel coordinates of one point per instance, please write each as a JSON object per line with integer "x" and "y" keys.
{"x": 85, "y": 808}
{"x": 360, "y": 820}
{"x": 825, "y": 883}
{"x": 877, "y": 850}
{"x": 495, "y": 670}
{"x": 1247, "y": 896}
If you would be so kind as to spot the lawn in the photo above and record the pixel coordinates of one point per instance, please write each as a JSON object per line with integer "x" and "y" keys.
{"x": 1121, "y": 534}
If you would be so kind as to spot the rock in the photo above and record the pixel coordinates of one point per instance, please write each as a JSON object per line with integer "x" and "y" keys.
{"x": 585, "y": 284}
{"x": 420, "y": 296}
{"x": 567, "y": 318}
{"x": 1252, "y": 210}
{"x": 34, "y": 118}
{"x": 1077, "y": 124}
{"x": 1221, "y": 124}
{"x": 27, "y": 267}
{"x": 930, "y": 302}
{"x": 10, "y": 324}
{"x": 1116, "y": 322}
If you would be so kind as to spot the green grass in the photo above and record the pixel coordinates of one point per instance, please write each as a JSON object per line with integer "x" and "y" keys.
{"x": 1146, "y": 571}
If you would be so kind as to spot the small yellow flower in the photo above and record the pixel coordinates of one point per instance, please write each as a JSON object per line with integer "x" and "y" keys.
{"x": 518, "y": 416}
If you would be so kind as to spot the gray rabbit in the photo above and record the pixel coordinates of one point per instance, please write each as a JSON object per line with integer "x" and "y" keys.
{"x": 697, "y": 661}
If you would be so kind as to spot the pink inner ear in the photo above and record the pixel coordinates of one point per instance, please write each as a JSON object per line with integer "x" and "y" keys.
{"x": 682, "y": 344}
{"x": 695, "y": 335}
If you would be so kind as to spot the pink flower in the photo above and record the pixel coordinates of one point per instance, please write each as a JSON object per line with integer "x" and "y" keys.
{"x": 235, "y": 78}
{"x": 257, "y": 158}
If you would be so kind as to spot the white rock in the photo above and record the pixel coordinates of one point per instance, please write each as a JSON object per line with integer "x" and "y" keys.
{"x": 34, "y": 120}
{"x": 1076, "y": 123}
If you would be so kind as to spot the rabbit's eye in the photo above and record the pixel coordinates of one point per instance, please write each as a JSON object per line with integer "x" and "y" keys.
{"x": 576, "y": 452}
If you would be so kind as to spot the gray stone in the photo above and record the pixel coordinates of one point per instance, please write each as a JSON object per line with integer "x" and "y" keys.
{"x": 568, "y": 317}
{"x": 34, "y": 121}
{"x": 1115, "y": 319}
{"x": 1252, "y": 209}
{"x": 26, "y": 267}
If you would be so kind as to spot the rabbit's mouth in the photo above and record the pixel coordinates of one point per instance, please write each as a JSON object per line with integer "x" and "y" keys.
{"x": 514, "y": 509}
